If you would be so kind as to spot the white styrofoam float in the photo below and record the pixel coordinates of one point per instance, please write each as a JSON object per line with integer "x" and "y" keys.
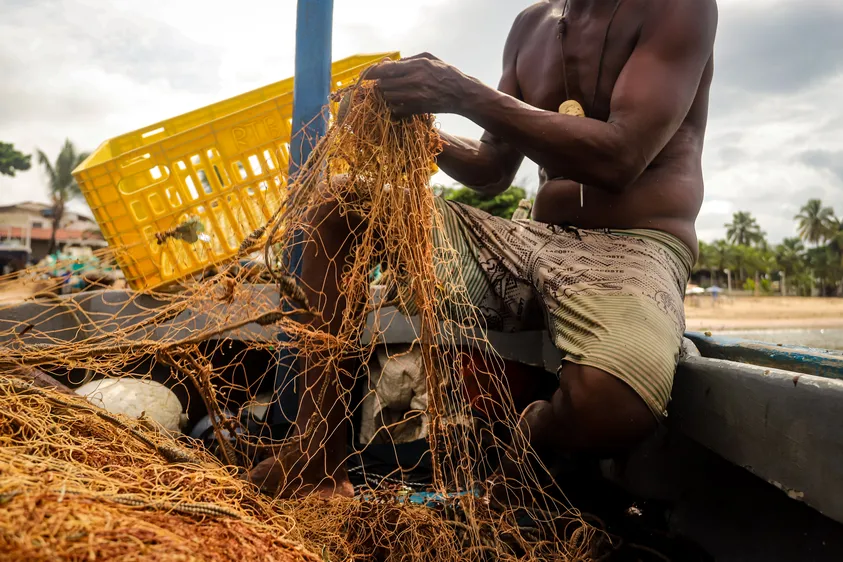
{"x": 136, "y": 398}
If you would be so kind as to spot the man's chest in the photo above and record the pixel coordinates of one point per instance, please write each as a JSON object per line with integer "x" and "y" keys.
{"x": 580, "y": 59}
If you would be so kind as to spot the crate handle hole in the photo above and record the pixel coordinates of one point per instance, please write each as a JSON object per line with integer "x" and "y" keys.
{"x": 191, "y": 187}
{"x": 223, "y": 182}
{"x": 152, "y": 133}
{"x": 256, "y": 165}
{"x": 206, "y": 184}
{"x": 270, "y": 162}
{"x": 143, "y": 179}
{"x": 135, "y": 160}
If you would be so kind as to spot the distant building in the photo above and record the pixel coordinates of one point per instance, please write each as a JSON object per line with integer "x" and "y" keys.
{"x": 28, "y": 226}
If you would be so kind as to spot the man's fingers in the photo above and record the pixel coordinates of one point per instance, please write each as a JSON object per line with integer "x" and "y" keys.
{"x": 398, "y": 109}
{"x": 393, "y": 69}
{"x": 396, "y": 90}
{"x": 422, "y": 56}
{"x": 398, "y": 85}
{"x": 387, "y": 69}
{"x": 400, "y": 94}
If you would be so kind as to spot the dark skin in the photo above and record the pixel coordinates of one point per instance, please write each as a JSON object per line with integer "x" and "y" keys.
{"x": 637, "y": 154}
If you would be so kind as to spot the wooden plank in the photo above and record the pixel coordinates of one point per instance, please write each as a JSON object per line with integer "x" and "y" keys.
{"x": 785, "y": 427}
{"x": 74, "y": 318}
{"x": 808, "y": 361}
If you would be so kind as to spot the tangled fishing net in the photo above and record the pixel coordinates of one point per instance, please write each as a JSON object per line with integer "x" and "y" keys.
{"x": 77, "y": 483}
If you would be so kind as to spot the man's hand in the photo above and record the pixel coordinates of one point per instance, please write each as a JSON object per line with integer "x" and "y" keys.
{"x": 419, "y": 84}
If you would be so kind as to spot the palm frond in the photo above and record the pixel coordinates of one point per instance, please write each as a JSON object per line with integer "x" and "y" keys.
{"x": 62, "y": 185}
{"x": 44, "y": 160}
{"x": 74, "y": 189}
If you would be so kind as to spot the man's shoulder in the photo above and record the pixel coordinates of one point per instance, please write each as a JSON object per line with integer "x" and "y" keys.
{"x": 693, "y": 13}
{"x": 541, "y": 7}
{"x": 525, "y": 22}
{"x": 532, "y": 14}
{"x": 523, "y": 25}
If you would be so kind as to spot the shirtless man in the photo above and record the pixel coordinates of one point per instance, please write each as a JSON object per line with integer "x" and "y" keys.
{"x": 627, "y": 176}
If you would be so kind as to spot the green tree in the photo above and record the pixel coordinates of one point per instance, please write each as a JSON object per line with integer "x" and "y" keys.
{"x": 803, "y": 282}
{"x": 744, "y": 230}
{"x": 815, "y": 222}
{"x": 709, "y": 261}
{"x": 754, "y": 262}
{"x": 766, "y": 265}
{"x": 825, "y": 265}
{"x": 835, "y": 237}
{"x": 725, "y": 253}
{"x": 12, "y": 161}
{"x": 744, "y": 233}
{"x": 723, "y": 257}
{"x": 62, "y": 186}
{"x": 790, "y": 256}
{"x": 502, "y": 205}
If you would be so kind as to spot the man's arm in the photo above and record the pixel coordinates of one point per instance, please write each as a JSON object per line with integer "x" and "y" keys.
{"x": 651, "y": 99}
{"x": 487, "y": 165}
{"x": 490, "y": 164}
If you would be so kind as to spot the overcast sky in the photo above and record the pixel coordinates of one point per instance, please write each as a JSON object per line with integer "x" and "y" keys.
{"x": 92, "y": 69}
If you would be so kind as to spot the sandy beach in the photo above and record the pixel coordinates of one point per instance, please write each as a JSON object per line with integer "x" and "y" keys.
{"x": 15, "y": 292}
{"x": 702, "y": 312}
{"x": 762, "y": 313}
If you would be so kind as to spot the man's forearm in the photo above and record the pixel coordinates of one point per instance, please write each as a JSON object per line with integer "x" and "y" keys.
{"x": 473, "y": 163}
{"x": 580, "y": 149}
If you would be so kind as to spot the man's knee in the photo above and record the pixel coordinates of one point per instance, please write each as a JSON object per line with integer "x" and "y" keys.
{"x": 601, "y": 411}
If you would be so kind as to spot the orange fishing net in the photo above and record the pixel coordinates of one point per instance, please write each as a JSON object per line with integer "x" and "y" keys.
{"x": 78, "y": 485}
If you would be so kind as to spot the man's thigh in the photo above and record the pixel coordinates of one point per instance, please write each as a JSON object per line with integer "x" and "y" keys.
{"x": 473, "y": 281}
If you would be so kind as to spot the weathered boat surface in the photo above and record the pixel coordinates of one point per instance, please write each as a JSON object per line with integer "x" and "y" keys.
{"x": 739, "y": 410}
{"x": 730, "y": 419}
{"x": 818, "y": 362}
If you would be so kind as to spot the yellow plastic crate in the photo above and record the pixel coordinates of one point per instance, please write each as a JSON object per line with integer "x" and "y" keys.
{"x": 225, "y": 164}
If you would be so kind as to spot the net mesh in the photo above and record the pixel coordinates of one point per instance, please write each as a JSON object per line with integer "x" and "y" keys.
{"x": 79, "y": 482}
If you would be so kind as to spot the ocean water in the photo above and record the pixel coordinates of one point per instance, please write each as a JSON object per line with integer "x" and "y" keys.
{"x": 819, "y": 338}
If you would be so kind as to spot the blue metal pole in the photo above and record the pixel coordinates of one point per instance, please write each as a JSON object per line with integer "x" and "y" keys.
{"x": 313, "y": 76}
{"x": 314, "y": 23}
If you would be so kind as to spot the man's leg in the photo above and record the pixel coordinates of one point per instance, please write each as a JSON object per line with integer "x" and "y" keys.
{"x": 319, "y": 464}
{"x": 591, "y": 412}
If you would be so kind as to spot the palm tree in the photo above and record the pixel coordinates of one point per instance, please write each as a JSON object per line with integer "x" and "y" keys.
{"x": 724, "y": 255}
{"x": 825, "y": 265}
{"x": 791, "y": 258}
{"x": 835, "y": 237}
{"x": 61, "y": 184}
{"x": 815, "y": 222}
{"x": 709, "y": 260}
{"x": 790, "y": 255}
{"x": 744, "y": 230}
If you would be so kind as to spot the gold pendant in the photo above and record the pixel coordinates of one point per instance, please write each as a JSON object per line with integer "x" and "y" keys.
{"x": 572, "y": 108}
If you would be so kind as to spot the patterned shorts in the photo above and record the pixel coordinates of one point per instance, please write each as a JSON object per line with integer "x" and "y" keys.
{"x": 612, "y": 300}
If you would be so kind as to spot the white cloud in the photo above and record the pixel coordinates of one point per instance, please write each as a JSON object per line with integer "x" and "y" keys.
{"x": 755, "y": 159}
{"x": 90, "y": 70}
